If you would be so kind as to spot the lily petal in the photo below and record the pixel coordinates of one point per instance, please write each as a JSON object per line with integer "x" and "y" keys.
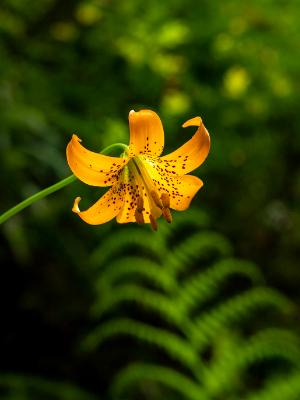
{"x": 187, "y": 186}
{"x": 191, "y": 154}
{"x": 181, "y": 189}
{"x": 93, "y": 168}
{"x": 146, "y": 133}
{"x": 127, "y": 211}
{"x": 105, "y": 209}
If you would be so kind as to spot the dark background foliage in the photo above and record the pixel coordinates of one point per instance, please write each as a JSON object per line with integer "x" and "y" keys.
{"x": 80, "y": 66}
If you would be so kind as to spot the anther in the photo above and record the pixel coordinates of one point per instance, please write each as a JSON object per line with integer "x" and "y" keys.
{"x": 139, "y": 217}
{"x": 140, "y": 204}
{"x": 167, "y": 214}
{"x": 156, "y": 199}
{"x": 153, "y": 222}
{"x": 165, "y": 198}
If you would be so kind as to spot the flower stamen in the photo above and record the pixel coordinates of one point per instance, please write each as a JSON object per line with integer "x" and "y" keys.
{"x": 153, "y": 222}
{"x": 140, "y": 204}
{"x": 156, "y": 199}
{"x": 154, "y": 202}
{"x": 139, "y": 217}
{"x": 165, "y": 199}
{"x": 166, "y": 213}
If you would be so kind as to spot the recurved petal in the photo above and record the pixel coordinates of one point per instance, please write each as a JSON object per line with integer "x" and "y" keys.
{"x": 191, "y": 154}
{"x": 93, "y": 168}
{"x": 146, "y": 133}
{"x": 179, "y": 189}
{"x": 184, "y": 189}
{"x": 105, "y": 209}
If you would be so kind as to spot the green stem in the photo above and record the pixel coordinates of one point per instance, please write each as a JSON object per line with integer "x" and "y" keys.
{"x": 32, "y": 199}
{"x": 108, "y": 149}
{"x": 53, "y": 188}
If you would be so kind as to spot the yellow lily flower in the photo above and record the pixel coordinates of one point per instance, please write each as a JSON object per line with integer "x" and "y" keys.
{"x": 144, "y": 185}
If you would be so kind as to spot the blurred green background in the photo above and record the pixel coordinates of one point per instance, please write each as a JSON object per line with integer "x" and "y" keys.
{"x": 207, "y": 308}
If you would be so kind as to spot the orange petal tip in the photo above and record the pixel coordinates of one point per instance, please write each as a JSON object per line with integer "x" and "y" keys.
{"x": 75, "y": 208}
{"x": 131, "y": 112}
{"x": 196, "y": 121}
{"x": 75, "y": 137}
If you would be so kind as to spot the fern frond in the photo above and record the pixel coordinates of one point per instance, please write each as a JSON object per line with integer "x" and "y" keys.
{"x": 281, "y": 388}
{"x": 204, "y": 285}
{"x": 115, "y": 245}
{"x": 285, "y": 335}
{"x": 13, "y": 386}
{"x": 145, "y": 298}
{"x": 177, "y": 348}
{"x": 132, "y": 268}
{"x": 139, "y": 373}
{"x": 266, "y": 345}
{"x": 140, "y": 270}
{"x": 199, "y": 245}
{"x": 239, "y": 306}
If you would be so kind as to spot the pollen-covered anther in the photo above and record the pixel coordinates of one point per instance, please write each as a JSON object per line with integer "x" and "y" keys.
{"x": 140, "y": 204}
{"x": 167, "y": 214}
{"x": 165, "y": 199}
{"x": 139, "y": 217}
{"x": 153, "y": 222}
{"x": 156, "y": 199}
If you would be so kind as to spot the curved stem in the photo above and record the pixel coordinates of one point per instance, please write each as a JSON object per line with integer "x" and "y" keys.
{"x": 108, "y": 149}
{"x": 53, "y": 188}
{"x": 32, "y": 199}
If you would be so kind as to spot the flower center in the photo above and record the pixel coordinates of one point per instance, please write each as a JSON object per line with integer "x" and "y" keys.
{"x": 158, "y": 204}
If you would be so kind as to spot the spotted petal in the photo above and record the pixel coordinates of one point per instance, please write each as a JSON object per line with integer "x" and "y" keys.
{"x": 191, "y": 154}
{"x": 105, "y": 209}
{"x": 146, "y": 133}
{"x": 184, "y": 189}
{"x": 93, "y": 168}
{"x": 181, "y": 189}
